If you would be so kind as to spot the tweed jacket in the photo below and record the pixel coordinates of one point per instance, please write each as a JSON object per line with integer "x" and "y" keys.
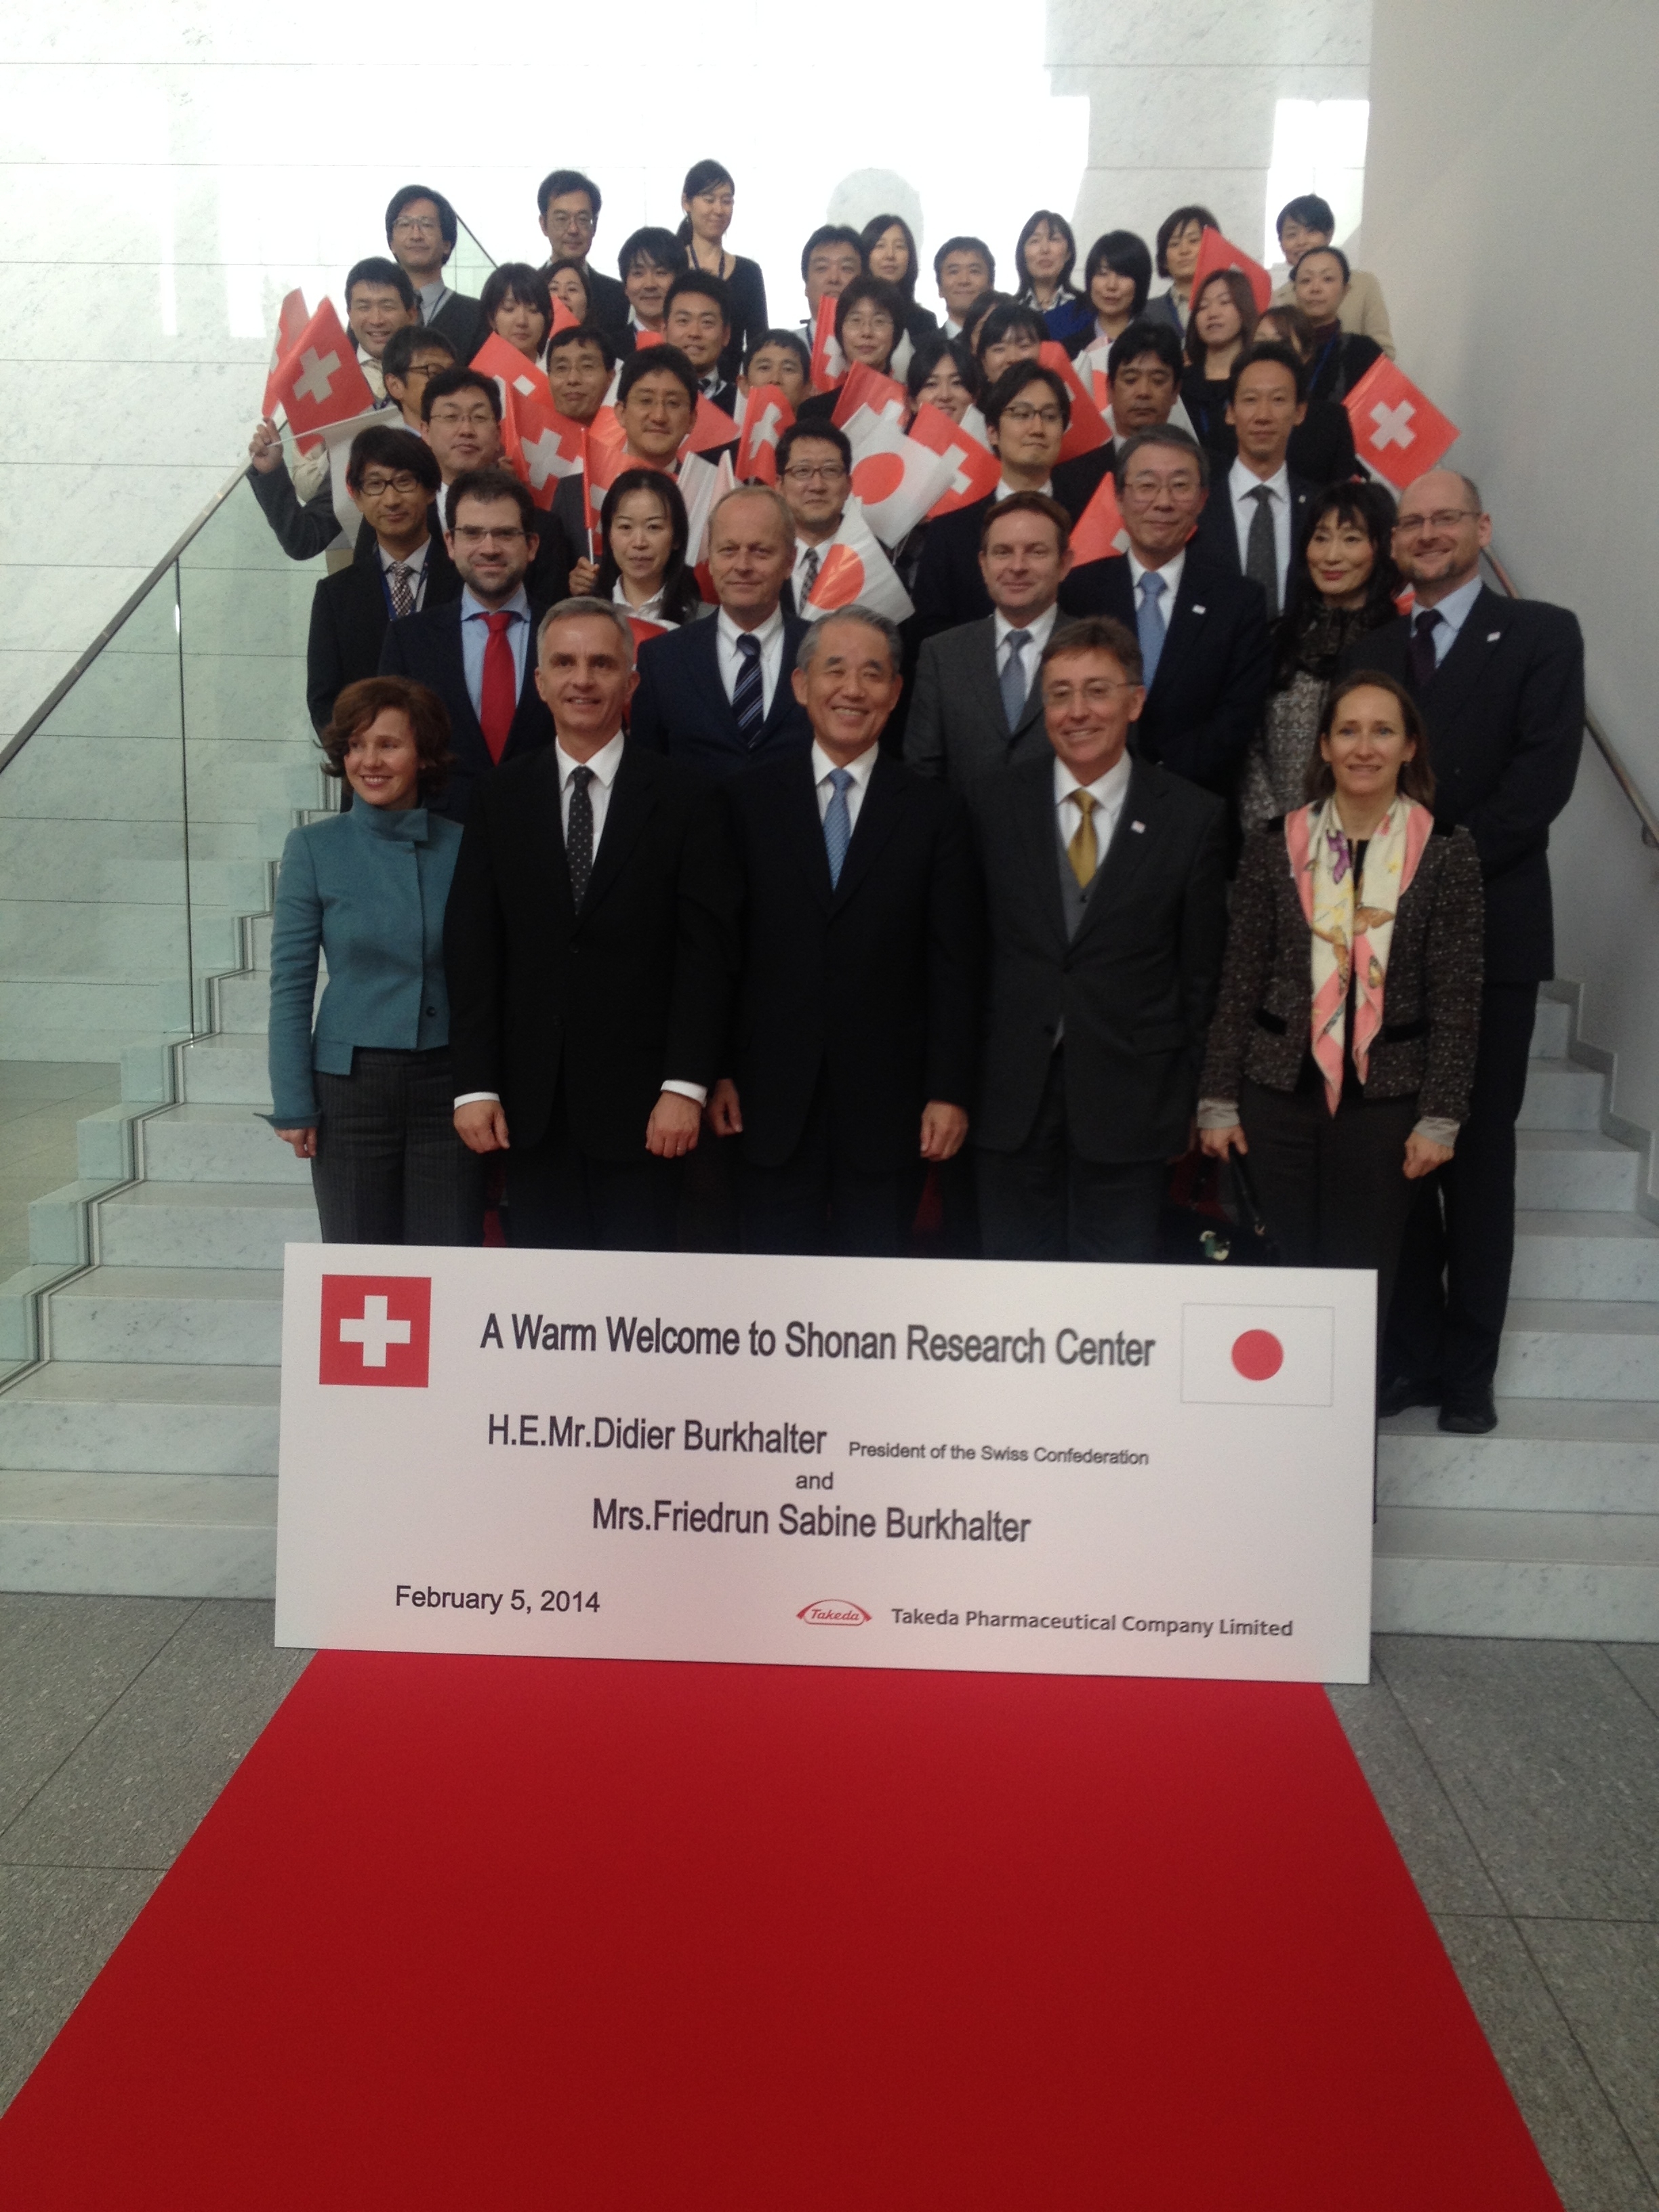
{"x": 1431, "y": 999}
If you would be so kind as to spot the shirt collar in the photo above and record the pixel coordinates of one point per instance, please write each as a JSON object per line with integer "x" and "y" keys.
{"x": 1170, "y": 571}
{"x": 1106, "y": 788}
{"x": 766, "y": 632}
{"x": 1039, "y": 631}
{"x": 416, "y": 560}
{"x": 431, "y": 297}
{"x": 604, "y": 763}
{"x": 1240, "y": 483}
{"x": 1454, "y": 609}
{"x": 472, "y": 610}
{"x": 861, "y": 769}
{"x": 1005, "y": 490}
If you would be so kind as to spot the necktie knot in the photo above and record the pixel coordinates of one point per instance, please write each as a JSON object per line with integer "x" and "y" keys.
{"x": 1012, "y": 682}
{"x": 842, "y": 778}
{"x": 1149, "y": 625}
{"x": 748, "y": 645}
{"x": 1262, "y": 495}
{"x": 1421, "y": 656}
{"x": 1429, "y": 619}
{"x": 581, "y": 777}
{"x": 837, "y": 822}
{"x": 1083, "y": 850}
{"x": 496, "y": 623}
{"x": 1085, "y": 803}
{"x": 749, "y": 694}
{"x": 1152, "y": 587}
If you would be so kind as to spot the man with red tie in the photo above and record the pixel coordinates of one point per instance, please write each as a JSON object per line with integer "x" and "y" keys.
{"x": 477, "y": 651}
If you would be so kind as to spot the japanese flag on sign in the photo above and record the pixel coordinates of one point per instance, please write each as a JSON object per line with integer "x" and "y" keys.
{"x": 1215, "y": 252}
{"x": 1100, "y": 533}
{"x": 855, "y": 568}
{"x": 711, "y": 428}
{"x": 766, "y": 416}
{"x": 1257, "y": 1355}
{"x": 1087, "y": 428}
{"x": 895, "y": 480}
{"x": 318, "y": 381}
{"x": 828, "y": 361}
{"x": 291, "y": 319}
{"x": 868, "y": 387}
{"x": 975, "y": 470}
{"x": 1396, "y": 431}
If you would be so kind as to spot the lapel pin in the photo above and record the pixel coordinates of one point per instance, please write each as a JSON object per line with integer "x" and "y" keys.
{"x": 1198, "y": 611}
{"x": 1492, "y": 637}
{"x": 1139, "y": 827}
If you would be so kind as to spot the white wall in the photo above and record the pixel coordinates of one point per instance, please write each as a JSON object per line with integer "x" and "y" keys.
{"x": 1511, "y": 191}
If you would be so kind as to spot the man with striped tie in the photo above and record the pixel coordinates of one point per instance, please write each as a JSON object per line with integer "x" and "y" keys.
{"x": 852, "y": 1052}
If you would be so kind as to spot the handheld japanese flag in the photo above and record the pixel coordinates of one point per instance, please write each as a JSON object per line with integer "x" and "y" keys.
{"x": 291, "y": 319}
{"x": 895, "y": 480}
{"x": 1087, "y": 429}
{"x": 562, "y": 318}
{"x": 1257, "y": 1355}
{"x": 1099, "y": 533}
{"x": 1396, "y": 431}
{"x": 1092, "y": 368}
{"x": 1216, "y": 252}
{"x": 975, "y": 470}
{"x": 867, "y": 388}
{"x": 711, "y": 428}
{"x": 644, "y": 339}
{"x": 318, "y": 381}
{"x": 829, "y": 364}
{"x": 855, "y": 568}
{"x": 766, "y": 416}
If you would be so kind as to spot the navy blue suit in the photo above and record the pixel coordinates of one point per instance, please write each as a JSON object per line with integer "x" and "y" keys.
{"x": 681, "y": 707}
{"x": 426, "y": 647}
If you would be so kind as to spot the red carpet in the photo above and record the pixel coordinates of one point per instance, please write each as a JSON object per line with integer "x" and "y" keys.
{"x": 496, "y": 1933}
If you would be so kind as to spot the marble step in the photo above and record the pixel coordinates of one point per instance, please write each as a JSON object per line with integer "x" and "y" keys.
{"x": 205, "y": 1316}
{"x": 1574, "y": 1171}
{"x": 1585, "y": 1255}
{"x": 1547, "y": 1454}
{"x": 205, "y": 1224}
{"x": 243, "y": 1001}
{"x": 1481, "y": 1573}
{"x": 1551, "y": 1029}
{"x": 91, "y": 1416}
{"x": 1579, "y": 1348}
{"x": 142, "y": 1535}
{"x": 226, "y": 1071}
{"x": 258, "y": 946}
{"x": 1561, "y": 1095}
{"x": 219, "y": 1145}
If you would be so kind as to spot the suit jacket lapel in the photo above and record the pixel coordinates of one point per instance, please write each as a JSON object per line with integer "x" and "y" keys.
{"x": 452, "y": 667}
{"x": 550, "y": 877}
{"x": 1462, "y": 668}
{"x": 783, "y": 698}
{"x": 798, "y": 821}
{"x": 878, "y": 815}
{"x": 1034, "y": 810}
{"x": 1138, "y": 823}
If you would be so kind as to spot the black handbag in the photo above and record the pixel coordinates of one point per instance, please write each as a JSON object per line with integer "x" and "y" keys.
{"x": 1212, "y": 1217}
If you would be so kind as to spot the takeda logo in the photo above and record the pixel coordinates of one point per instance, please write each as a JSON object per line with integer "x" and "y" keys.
{"x": 832, "y": 1613}
{"x": 376, "y": 1330}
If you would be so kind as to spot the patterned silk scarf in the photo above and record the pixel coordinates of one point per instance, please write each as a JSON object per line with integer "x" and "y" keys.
{"x": 1352, "y": 924}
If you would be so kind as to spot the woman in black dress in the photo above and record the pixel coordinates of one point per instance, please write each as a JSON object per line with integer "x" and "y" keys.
{"x": 707, "y": 197}
{"x": 890, "y": 253}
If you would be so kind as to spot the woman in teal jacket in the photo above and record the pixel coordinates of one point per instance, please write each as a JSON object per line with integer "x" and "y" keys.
{"x": 365, "y": 1094}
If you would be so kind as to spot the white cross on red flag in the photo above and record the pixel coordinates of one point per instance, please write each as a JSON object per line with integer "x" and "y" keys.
{"x": 1216, "y": 252}
{"x": 1099, "y": 533}
{"x": 976, "y": 469}
{"x": 867, "y": 388}
{"x": 766, "y": 416}
{"x": 318, "y": 381}
{"x": 538, "y": 444}
{"x": 291, "y": 319}
{"x": 895, "y": 479}
{"x": 1396, "y": 431}
{"x": 1087, "y": 428}
{"x": 829, "y": 362}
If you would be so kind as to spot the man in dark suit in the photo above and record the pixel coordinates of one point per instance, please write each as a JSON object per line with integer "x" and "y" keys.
{"x": 477, "y": 651}
{"x": 399, "y": 568}
{"x": 421, "y": 230}
{"x": 851, "y": 1057}
{"x": 1106, "y": 909}
{"x": 589, "y": 947}
{"x": 1501, "y": 685}
{"x": 1144, "y": 365}
{"x": 977, "y": 705}
{"x": 717, "y": 695}
{"x": 1203, "y": 633}
{"x": 1253, "y": 519}
{"x": 698, "y": 320}
{"x": 567, "y": 205}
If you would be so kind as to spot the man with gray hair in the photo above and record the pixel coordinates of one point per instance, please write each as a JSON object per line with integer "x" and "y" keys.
{"x": 852, "y": 1050}
{"x": 716, "y": 694}
{"x": 589, "y": 944}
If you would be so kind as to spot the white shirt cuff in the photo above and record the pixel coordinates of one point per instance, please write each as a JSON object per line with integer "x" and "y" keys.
{"x": 479, "y": 1098}
{"x": 1218, "y": 1113}
{"x": 1437, "y": 1129}
{"x": 696, "y": 1091}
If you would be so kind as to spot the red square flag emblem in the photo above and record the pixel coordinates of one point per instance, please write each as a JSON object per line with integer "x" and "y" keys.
{"x": 1396, "y": 431}
{"x": 376, "y": 1330}
{"x": 1257, "y": 1355}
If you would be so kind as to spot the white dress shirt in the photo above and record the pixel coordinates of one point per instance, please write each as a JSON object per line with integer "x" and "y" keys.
{"x": 860, "y": 770}
{"x": 1242, "y": 486}
{"x": 648, "y": 611}
{"x": 770, "y": 633}
{"x": 1109, "y": 792}
{"x": 1454, "y": 612}
{"x": 431, "y": 297}
{"x": 1005, "y": 490}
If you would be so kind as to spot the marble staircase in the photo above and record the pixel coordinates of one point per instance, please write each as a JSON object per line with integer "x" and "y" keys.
{"x": 139, "y": 1455}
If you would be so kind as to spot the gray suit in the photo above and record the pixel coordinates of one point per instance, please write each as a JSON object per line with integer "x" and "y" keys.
{"x": 957, "y": 729}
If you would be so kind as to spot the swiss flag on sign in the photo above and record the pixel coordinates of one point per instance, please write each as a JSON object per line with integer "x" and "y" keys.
{"x": 376, "y": 1330}
{"x": 1100, "y": 532}
{"x": 895, "y": 479}
{"x": 1396, "y": 431}
{"x": 318, "y": 381}
{"x": 1215, "y": 252}
{"x": 1087, "y": 428}
{"x": 867, "y": 388}
{"x": 828, "y": 361}
{"x": 1251, "y": 1355}
{"x": 976, "y": 469}
{"x": 766, "y": 416}
{"x": 291, "y": 319}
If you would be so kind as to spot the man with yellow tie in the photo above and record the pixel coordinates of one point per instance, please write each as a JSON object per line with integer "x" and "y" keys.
{"x": 1105, "y": 884}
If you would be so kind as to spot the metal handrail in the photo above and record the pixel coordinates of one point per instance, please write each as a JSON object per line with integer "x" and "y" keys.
{"x": 1604, "y": 744}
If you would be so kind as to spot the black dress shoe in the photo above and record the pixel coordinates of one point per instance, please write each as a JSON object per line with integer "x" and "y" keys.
{"x": 1473, "y": 1415}
{"x": 1401, "y": 1391}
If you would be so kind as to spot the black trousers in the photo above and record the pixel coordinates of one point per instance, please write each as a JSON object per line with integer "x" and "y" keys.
{"x": 1446, "y": 1323}
{"x": 390, "y": 1169}
{"x": 823, "y": 1198}
{"x": 560, "y": 1197}
{"x": 1047, "y": 1202}
{"x": 1332, "y": 1186}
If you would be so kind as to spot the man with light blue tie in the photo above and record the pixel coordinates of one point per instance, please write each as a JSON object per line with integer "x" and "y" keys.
{"x": 854, "y": 1044}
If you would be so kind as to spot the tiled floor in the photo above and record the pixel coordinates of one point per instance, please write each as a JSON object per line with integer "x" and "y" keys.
{"x": 1521, "y": 1781}
{"x": 40, "y": 1102}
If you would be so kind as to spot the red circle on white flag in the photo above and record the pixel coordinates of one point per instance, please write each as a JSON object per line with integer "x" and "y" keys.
{"x": 877, "y": 476}
{"x": 1258, "y": 1355}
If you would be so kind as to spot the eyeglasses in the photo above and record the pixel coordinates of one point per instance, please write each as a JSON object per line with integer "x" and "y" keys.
{"x": 1049, "y": 416}
{"x": 371, "y": 486}
{"x": 416, "y": 226}
{"x": 467, "y": 535}
{"x": 476, "y": 418}
{"x": 799, "y": 474}
{"x": 1094, "y": 693}
{"x": 1149, "y": 487}
{"x": 1444, "y": 518}
{"x": 571, "y": 222}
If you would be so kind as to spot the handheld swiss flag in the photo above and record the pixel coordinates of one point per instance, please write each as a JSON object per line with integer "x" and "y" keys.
{"x": 855, "y": 568}
{"x": 865, "y": 386}
{"x": 829, "y": 362}
{"x": 711, "y": 428}
{"x": 539, "y": 444}
{"x": 1396, "y": 431}
{"x": 895, "y": 480}
{"x": 1100, "y": 533}
{"x": 975, "y": 470}
{"x": 766, "y": 416}
{"x": 291, "y": 319}
{"x": 1216, "y": 252}
{"x": 1087, "y": 430}
{"x": 1257, "y": 1355}
{"x": 496, "y": 358}
{"x": 318, "y": 381}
